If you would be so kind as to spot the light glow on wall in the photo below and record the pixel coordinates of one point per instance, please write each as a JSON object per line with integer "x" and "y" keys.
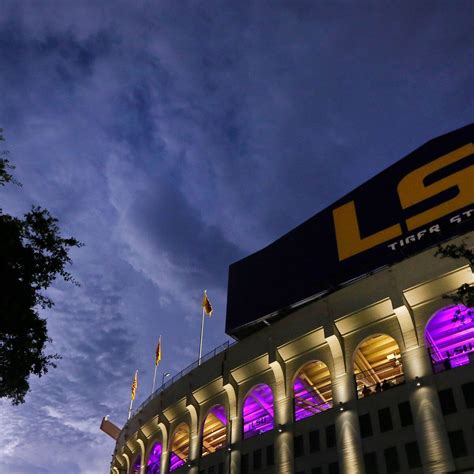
{"x": 154, "y": 460}
{"x": 312, "y": 390}
{"x": 179, "y": 447}
{"x": 258, "y": 411}
{"x": 450, "y": 337}
{"x": 214, "y": 430}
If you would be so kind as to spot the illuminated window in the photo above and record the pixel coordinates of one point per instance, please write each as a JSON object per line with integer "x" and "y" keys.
{"x": 179, "y": 447}
{"x": 153, "y": 465}
{"x": 377, "y": 365}
{"x": 137, "y": 465}
{"x": 449, "y": 337}
{"x": 258, "y": 411}
{"x": 214, "y": 430}
{"x": 312, "y": 390}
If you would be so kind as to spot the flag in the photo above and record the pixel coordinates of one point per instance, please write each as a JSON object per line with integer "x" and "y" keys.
{"x": 134, "y": 385}
{"x": 158, "y": 352}
{"x": 206, "y": 304}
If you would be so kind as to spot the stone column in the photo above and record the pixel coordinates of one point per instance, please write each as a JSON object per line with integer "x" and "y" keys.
{"x": 427, "y": 416}
{"x": 235, "y": 443}
{"x": 349, "y": 446}
{"x": 284, "y": 452}
{"x": 194, "y": 452}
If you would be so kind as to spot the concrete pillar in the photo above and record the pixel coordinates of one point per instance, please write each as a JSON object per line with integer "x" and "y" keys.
{"x": 349, "y": 446}
{"x": 284, "y": 452}
{"x": 194, "y": 452}
{"x": 165, "y": 460}
{"x": 427, "y": 416}
{"x": 235, "y": 443}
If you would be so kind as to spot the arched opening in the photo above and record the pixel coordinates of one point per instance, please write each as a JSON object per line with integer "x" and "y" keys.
{"x": 312, "y": 390}
{"x": 179, "y": 447}
{"x": 258, "y": 411}
{"x": 449, "y": 336}
{"x": 214, "y": 430}
{"x": 153, "y": 465}
{"x": 137, "y": 464}
{"x": 377, "y": 365}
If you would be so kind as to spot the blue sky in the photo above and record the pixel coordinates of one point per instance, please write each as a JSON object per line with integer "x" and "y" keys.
{"x": 174, "y": 138}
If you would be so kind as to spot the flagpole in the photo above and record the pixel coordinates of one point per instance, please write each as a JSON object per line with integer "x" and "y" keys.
{"x": 154, "y": 379}
{"x": 202, "y": 333}
{"x": 130, "y": 409}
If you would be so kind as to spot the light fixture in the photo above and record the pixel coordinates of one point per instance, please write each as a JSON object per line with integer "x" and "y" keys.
{"x": 418, "y": 381}
{"x": 229, "y": 449}
{"x": 341, "y": 406}
{"x": 280, "y": 428}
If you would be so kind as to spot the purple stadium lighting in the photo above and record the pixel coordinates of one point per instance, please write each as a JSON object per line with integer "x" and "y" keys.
{"x": 137, "y": 465}
{"x": 154, "y": 461}
{"x": 307, "y": 401}
{"x": 258, "y": 411}
{"x": 450, "y": 337}
{"x": 219, "y": 412}
{"x": 175, "y": 462}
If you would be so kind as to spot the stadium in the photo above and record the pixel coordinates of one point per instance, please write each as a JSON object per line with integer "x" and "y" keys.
{"x": 350, "y": 354}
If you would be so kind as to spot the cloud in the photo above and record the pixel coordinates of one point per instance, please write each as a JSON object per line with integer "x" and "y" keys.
{"x": 174, "y": 138}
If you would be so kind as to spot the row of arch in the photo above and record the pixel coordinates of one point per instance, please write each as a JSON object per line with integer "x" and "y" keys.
{"x": 377, "y": 366}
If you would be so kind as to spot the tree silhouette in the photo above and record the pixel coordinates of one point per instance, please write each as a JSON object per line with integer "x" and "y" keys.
{"x": 32, "y": 256}
{"x": 465, "y": 293}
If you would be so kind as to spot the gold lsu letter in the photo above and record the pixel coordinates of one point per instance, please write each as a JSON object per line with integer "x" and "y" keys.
{"x": 411, "y": 191}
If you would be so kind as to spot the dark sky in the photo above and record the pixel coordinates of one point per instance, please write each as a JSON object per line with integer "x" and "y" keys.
{"x": 175, "y": 137}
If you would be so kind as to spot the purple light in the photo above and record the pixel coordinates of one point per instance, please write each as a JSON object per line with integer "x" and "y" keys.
{"x": 308, "y": 401}
{"x": 450, "y": 337}
{"x": 137, "y": 465}
{"x": 258, "y": 411}
{"x": 175, "y": 462}
{"x": 154, "y": 461}
{"x": 219, "y": 412}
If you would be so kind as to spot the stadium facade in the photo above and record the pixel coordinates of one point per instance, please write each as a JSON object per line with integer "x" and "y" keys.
{"x": 359, "y": 364}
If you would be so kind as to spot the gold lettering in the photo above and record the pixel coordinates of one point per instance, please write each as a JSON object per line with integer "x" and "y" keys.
{"x": 349, "y": 241}
{"x": 411, "y": 189}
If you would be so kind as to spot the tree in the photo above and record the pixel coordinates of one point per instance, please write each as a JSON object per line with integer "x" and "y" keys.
{"x": 465, "y": 293}
{"x": 32, "y": 255}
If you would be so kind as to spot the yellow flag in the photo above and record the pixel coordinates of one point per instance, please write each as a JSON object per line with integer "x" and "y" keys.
{"x": 206, "y": 304}
{"x": 134, "y": 385}
{"x": 158, "y": 352}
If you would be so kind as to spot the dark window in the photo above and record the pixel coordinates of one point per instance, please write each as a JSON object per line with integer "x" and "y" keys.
{"x": 333, "y": 468}
{"x": 270, "y": 458}
{"x": 220, "y": 468}
{"x": 457, "y": 443}
{"x": 446, "y": 399}
{"x": 299, "y": 472}
{"x": 299, "y": 446}
{"x": 317, "y": 470}
{"x": 404, "y": 410}
{"x": 385, "y": 420}
{"x": 257, "y": 459}
{"x": 468, "y": 391}
{"x": 370, "y": 461}
{"x": 391, "y": 460}
{"x": 365, "y": 425}
{"x": 330, "y": 436}
{"x": 413, "y": 455}
{"x": 211, "y": 470}
{"x": 314, "y": 445}
{"x": 202, "y": 472}
{"x": 244, "y": 464}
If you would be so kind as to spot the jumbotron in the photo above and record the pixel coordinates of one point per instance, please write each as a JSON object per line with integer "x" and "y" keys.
{"x": 350, "y": 355}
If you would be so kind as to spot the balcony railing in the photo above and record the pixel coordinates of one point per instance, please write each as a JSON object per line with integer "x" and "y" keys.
{"x": 462, "y": 355}
{"x": 379, "y": 379}
{"x": 189, "y": 368}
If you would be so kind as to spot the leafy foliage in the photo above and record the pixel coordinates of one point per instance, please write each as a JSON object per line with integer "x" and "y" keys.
{"x": 32, "y": 256}
{"x": 465, "y": 293}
